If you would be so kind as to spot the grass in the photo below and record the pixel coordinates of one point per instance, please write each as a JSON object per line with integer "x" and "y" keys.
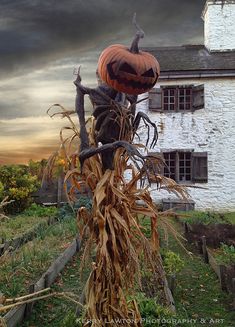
{"x": 26, "y": 265}
{"x": 196, "y": 217}
{"x": 18, "y": 225}
{"x": 55, "y": 312}
{"x": 198, "y": 294}
{"x": 225, "y": 254}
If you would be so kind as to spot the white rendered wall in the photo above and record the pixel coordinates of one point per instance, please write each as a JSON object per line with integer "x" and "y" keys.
{"x": 211, "y": 130}
{"x": 219, "y": 26}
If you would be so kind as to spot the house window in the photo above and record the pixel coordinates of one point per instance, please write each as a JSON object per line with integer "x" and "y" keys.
{"x": 185, "y": 99}
{"x": 183, "y": 166}
{"x": 178, "y": 166}
{"x": 169, "y": 99}
{"x": 170, "y": 160}
{"x": 176, "y": 98}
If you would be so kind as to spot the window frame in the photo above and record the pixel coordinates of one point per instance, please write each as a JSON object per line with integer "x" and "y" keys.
{"x": 196, "y": 98}
{"x": 177, "y": 89}
{"x": 189, "y": 164}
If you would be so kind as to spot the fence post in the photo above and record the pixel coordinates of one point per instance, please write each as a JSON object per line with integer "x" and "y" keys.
{"x": 60, "y": 190}
{"x": 29, "y": 306}
{"x": 222, "y": 269}
{"x": 204, "y": 249}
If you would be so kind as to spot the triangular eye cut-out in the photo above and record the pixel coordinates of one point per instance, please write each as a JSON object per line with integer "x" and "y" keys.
{"x": 127, "y": 69}
{"x": 148, "y": 73}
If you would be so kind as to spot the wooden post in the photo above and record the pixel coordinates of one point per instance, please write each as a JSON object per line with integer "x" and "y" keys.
{"x": 172, "y": 282}
{"x": 60, "y": 190}
{"x": 186, "y": 228}
{"x": 222, "y": 270}
{"x": 233, "y": 292}
{"x": 29, "y": 306}
{"x": 204, "y": 249}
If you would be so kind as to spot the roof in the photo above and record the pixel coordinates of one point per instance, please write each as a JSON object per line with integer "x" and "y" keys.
{"x": 193, "y": 59}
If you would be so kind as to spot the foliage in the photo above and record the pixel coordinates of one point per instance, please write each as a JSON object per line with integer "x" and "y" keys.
{"x": 172, "y": 262}
{"x": 18, "y": 186}
{"x": 36, "y": 168}
{"x": 206, "y": 218}
{"x": 40, "y": 211}
{"x": 70, "y": 320}
{"x": 83, "y": 201}
{"x": 151, "y": 310}
{"x": 198, "y": 293}
{"x": 18, "y": 225}
{"x": 226, "y": 254}
{"x": 1, "y": 190}
{"x": 70, "y": 211}
{"x": 33, "y": 258}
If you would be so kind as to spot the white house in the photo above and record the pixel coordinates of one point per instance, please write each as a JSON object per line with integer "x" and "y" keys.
{"x": 193, "y": 105}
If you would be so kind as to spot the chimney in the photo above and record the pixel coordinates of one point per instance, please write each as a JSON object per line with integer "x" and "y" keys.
{"x": 219, "y": 25}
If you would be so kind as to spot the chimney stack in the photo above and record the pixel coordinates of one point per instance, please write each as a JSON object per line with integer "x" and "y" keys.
{"x": 219, "y": 25}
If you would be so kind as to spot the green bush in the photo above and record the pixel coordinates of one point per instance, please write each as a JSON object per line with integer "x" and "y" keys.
{"x": 67, "y": 211}
{"x": 152, "y": 313}
{"x": 18, "y": 185}
{"x": 40, "y": 211}
{"x": 172, "y": 262}
{"x": 71, "y": 320}
{"x": 206, "y": 218}
{"x": 226, "y": 254}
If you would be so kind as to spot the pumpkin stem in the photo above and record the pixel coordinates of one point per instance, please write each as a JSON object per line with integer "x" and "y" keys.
{"x": 139, "y": 35}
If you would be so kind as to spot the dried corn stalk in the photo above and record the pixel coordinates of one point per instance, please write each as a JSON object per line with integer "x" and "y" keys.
{"x": 113, "y": 226}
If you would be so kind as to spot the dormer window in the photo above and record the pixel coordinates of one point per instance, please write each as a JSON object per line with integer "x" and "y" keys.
{"x": 182, "y": 98}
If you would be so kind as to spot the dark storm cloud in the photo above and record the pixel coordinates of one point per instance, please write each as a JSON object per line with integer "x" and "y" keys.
{"x": 35, "y": 32}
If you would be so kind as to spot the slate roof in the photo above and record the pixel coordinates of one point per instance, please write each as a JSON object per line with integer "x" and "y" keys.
{"x": 192, "y": 58}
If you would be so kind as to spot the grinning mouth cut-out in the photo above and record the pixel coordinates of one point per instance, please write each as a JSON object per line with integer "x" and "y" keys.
{"x": 128, "y": 82}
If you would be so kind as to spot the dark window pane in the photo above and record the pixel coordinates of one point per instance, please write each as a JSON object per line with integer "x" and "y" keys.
{"x": 188, "y": 106}
{"x": 165, "y": 100}
{"x": 181, "y": 106}
{"x": 188, "y": 155}
{"x": 165, "y": 106}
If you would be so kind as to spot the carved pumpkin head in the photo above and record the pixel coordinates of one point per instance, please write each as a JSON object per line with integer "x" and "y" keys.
{"x": 128, "y": 70}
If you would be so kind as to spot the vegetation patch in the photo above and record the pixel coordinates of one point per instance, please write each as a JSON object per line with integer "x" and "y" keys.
{"x": 225, "y": 254}
{"x": 206, "y": 218}
{"x": 26, "y": 265}
{"x": 28, "y": 220}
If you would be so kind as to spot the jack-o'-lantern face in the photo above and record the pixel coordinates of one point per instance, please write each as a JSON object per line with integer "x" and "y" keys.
{"x": 132, "y": 73}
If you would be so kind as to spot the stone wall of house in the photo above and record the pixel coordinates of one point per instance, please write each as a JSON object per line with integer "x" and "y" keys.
{"x": 210, "y": 130}
{"x": 219, "y": 25}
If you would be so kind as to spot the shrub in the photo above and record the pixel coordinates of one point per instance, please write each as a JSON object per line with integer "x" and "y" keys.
{"x": 172, "y": 262}
{"x": 152, "y": 313}
{"x": 70, "y": 320}
{"x": 67, "y": 211}
{"x": 40, "y": 211}
{"x": 206, "y": 218}
{"x": 226, "y": 254}
{"x": 18, "y": 185}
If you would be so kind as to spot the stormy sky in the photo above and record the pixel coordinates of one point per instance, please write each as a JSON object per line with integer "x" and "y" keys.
{"x": 42, "y": 41}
